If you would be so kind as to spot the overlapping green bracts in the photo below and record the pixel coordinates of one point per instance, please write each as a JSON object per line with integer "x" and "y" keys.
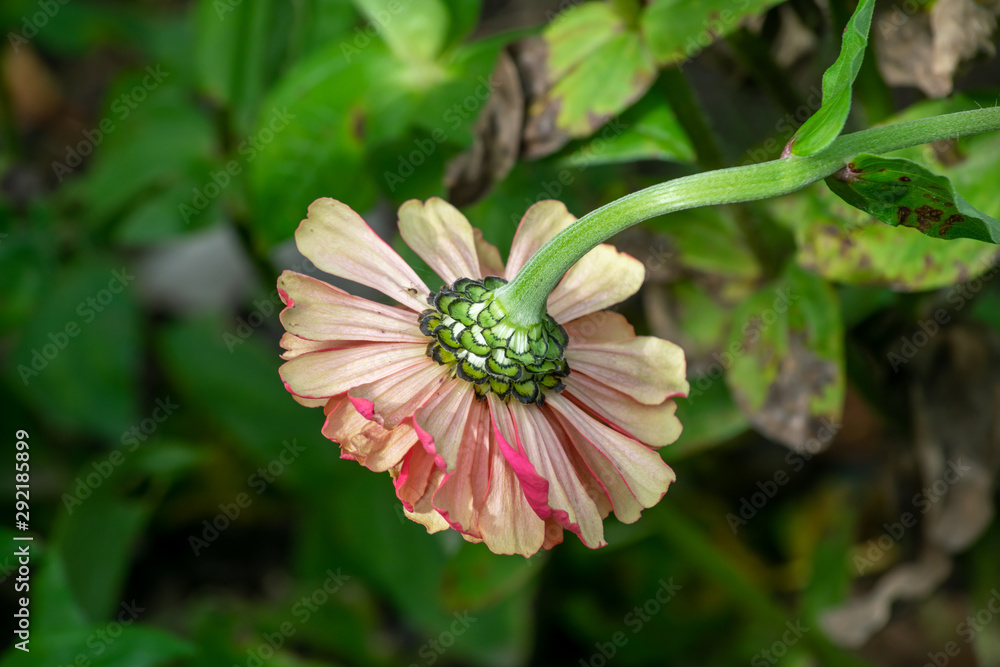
{"x": 469, "y": 333}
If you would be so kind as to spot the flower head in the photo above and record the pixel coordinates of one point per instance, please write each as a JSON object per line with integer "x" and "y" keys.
{"x": 507, "y": 434}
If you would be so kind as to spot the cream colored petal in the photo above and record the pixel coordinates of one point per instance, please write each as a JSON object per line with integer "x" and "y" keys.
{"x": 295, "y": 346}
{"x": 568, "y": 498}
{"x": 310, "y": 402}
{"x": 320, "y": 312}
{"x": 441, "y": 421}
{"x": 542, "y": 221}
{"x": 330, "y": 372}
{"x": 365, "y": 441}
{"x": 391, "y": 399}
{"x": 338, "y": 241}
{"x": 648, "y": 369}
{"x": 633, "y": 475}
{"x": 601, "y": 327}
{"x": 490, "y": 263}
{"x": 653, "y": 425}
{"x": 602, "y": 278}
{"x": 440, "y": 234}
{"x": 463, "y": 491}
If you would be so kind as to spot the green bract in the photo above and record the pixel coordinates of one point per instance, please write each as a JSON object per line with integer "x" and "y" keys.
{"x": 470, "y": 332}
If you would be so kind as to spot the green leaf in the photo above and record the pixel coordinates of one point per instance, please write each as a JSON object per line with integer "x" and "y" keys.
{"x": 76, "y": 358}
{"x": 902, "y": 193}
{"x": 676, "y": 30}
{"x": 709, "y": 240}
{"x": 825, "y": 125}
{"x": 785, "y": 358}
{"x": 598, "y": 65}
{"x": 649, "y": 130}
{"x": 414, "y": 30}
{"x": 846, "y": 245}
{"x": 709, "y": 416}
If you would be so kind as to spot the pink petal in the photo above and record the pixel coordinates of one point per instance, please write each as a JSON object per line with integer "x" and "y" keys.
{"x": 441, "y": 421}
{"x": 602, "y": 327}
{"x": 490, "y": 263}
{"x": 338, "y": 241}
{"x": 653, "y": 425}
{"x": 602, "y": 278}
{"x": 365, "y": 441}
{"x": 463, "y": 490}
{"x": 542, "y": 221}
{"x": 507, "y": 522}
{"x": 535, "y": 487}
{"x": 568, "y": 498}
{"x": 416, "y": 483}
{"x": 441, "y": 235}
{"x": 633, "y": 475}
{"x": 318, "y": 311}
{"x": 648, "y": 369}
{"x": 330, "y": 372}
{"x": 392, "y": 398}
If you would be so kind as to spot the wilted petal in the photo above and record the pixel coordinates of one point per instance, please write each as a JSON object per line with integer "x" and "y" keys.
{"x": 320, "y": 312}
{"x": 441, "y": 236}
{"x": 365, "y": 441}
{"x": 391, "y": 399}
{"x": 654, "y": 425}
{"x": 416, "y": 483}
{"x": 602, "y": 278}
{"x": 634, "y": 476}
{"x": 338, "y": 241}
{"x": 507, "y": 522}
{"x": 463, "y": 490}
{"x": 542, "y": 221}
{"x": 330, "y": 372}
{"x": 568, "y": 501}
{"x": 648, "y": 369}
{"x": 440, "y": 422}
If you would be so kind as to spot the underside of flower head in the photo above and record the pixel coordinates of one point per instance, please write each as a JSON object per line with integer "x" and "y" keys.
{"x": 471, "y": 333}
{"x": 399, "y": 384}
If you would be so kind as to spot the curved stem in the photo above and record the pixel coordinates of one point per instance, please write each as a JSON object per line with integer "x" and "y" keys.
{"x": 525, "y": 296}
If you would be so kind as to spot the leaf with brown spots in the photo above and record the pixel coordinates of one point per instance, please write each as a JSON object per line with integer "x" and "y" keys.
{"x": 902, "y": 193}
{"x": 785, "y": 360}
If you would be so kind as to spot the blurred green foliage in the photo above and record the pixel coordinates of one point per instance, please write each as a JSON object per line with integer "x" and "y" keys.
{"x": 188, "y": 512}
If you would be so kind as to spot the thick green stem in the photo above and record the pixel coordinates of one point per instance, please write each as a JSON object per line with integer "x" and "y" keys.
{"x": 524, "y": 297}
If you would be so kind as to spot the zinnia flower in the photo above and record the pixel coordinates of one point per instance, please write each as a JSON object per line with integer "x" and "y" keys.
{"x": 508, "y": 438}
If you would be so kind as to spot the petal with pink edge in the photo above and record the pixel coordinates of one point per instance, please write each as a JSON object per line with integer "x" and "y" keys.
{"x": 569, "y": 499}
{"x": 653, "y": 425}
{"x": 648, "y": 369}
{"x": 330, "y": 372}
{"x": 602, "y": 278}
{"x": 441, "y": 236}
{"x": 542, "y": 221}
{"x": 602, "y": 327}
{"x": 318, "y": 311}
{"x": 365, "y": 441}
{"x": 441, "y": 421}
{"x": 416, "y": 483}
{"x": 506, "y": 520}
{"x": 338, "y": 241}
{"x": 634, "y": 475}
{"x": 463, "y": 490}
{"x": 394, "y": 397}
